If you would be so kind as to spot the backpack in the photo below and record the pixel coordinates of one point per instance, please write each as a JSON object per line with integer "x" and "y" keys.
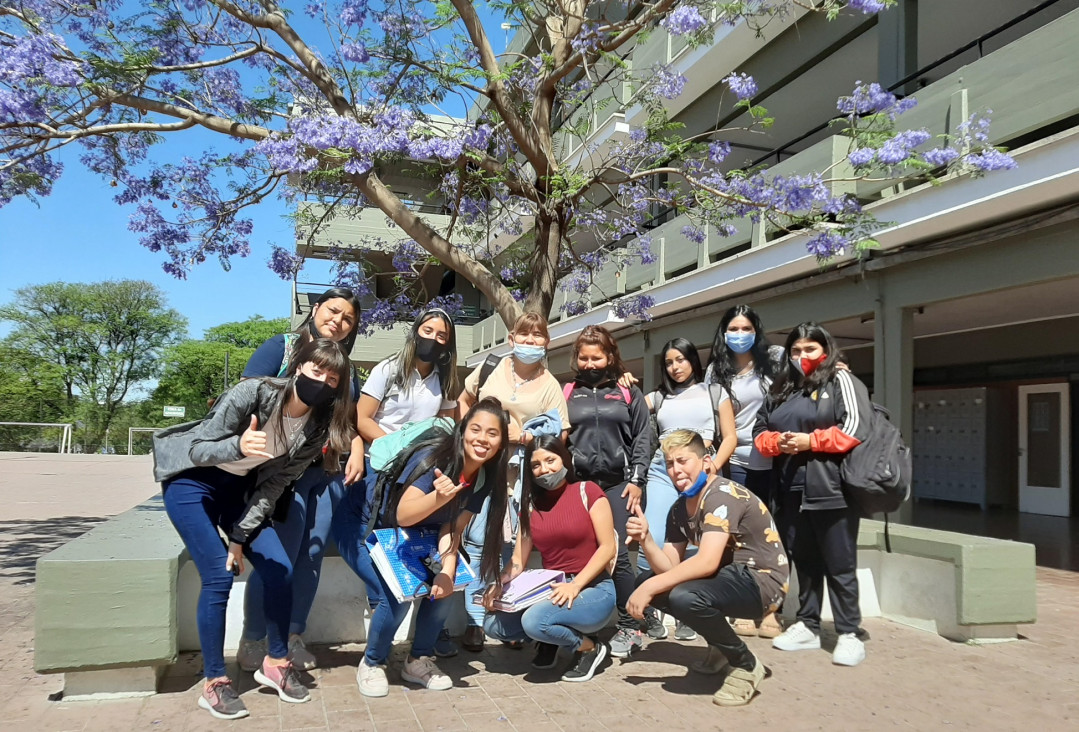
{"x": 489, "y": 365}
{"x": 715, "y": 392}
{"x": 392, "y": 472}
{"x": 877, "y": 474}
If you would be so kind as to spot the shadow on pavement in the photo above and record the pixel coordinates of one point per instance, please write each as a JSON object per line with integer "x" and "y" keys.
{"x": 23, "y": 542}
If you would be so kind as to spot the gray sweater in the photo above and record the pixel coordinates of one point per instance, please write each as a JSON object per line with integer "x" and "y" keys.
{"x": 215, "y": 439}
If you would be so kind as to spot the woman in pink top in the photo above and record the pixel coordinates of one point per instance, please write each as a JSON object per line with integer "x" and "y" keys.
{"x": 571, "y": 525}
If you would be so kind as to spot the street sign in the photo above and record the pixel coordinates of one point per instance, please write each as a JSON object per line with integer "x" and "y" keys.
{"x": 175, "y": 411}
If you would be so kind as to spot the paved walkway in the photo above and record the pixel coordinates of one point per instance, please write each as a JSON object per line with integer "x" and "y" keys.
{"x": 911, "y": 679}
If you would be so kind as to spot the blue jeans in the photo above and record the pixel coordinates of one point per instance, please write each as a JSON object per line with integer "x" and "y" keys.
{"x": 349, "y": 531}
{"x": 304, "y": 534}
{"x": 661, "y": 496}
{"x": 197, "y": 502}
{"x": 473, "y": 544}
{"x": 560, "y": 626}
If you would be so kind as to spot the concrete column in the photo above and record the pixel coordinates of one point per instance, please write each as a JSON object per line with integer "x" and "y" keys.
{"x": 893, "y": 371}
{"x": 897, "y": 46}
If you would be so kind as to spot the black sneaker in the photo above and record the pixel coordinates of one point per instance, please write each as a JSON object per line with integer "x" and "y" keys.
{"x": 222, "y": 701}
{"x": 585, "y": 664}
{"x": 684, "y": 632}
{"x": 546, "y": 655}
{"x": 655, "y": 629}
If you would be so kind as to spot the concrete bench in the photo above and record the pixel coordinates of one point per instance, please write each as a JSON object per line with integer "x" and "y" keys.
{"x": 962, "y": 587}
{"x": 116, "y": 606}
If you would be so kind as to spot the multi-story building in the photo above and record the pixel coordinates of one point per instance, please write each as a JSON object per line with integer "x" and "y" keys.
{"x": 965, "y": 321}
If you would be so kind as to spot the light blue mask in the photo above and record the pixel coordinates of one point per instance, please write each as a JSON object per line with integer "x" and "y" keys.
{"x": 740, "y": 342}
{"x": 529, "y": 354}
{"x": 697, "y": 487}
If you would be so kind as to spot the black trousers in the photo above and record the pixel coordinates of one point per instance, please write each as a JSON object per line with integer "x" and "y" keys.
{"x": 625, "y": 574}
{"x": 705, "y": 604}
{"x": 826, "y": 547}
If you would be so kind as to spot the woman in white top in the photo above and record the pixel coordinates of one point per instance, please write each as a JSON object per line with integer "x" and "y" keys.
{"x": 743, "y": 362}
{"x": 683, "y": 401}
{"x": 417, "y": 383}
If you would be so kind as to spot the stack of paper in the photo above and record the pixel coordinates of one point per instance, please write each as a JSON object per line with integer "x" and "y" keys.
{"x": 404, "y": 558}
{"x": 525, "y": 590}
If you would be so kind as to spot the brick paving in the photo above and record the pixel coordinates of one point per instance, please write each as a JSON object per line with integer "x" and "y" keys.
{"x": 910, "y": 680}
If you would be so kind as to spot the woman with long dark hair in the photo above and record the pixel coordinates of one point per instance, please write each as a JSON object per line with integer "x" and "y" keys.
{"x": 442, "y": 485}
{"x": 571, "y": 525}
{"x": 610, "y": 439}
{"x": 304, "y": 519}
{"x": 226, "y": 472}
{"x": 815, "y": 414}
{"x": 683, "y": 401}
{"x": 744, "y": 363}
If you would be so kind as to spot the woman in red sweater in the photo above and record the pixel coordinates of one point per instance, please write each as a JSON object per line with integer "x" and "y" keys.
{"x": 571, "y": 525}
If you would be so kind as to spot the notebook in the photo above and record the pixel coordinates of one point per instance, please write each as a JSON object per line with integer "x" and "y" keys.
{"x": 525, "y": 590}
{"x": 405, "y": 559}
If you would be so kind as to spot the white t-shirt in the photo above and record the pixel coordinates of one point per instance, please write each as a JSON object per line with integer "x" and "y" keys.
{"x": 689, "y": 409}
{"x": 421, "y": 398}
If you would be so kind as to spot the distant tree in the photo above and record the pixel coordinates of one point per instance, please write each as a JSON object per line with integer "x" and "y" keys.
{"x": 249, "y": 333}
{"x": 31, "y": 390}
{"x": 194, "y": 371}
{"x": 105, "y": 338}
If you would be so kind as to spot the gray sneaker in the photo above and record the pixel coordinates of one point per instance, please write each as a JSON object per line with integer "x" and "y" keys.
{"x": 625, "y": 642}
{"x": 684, "y": 632}
{"x": 655, "y": 628}
{"x": 251, "y": 654}
{"x": 222, "y": 701}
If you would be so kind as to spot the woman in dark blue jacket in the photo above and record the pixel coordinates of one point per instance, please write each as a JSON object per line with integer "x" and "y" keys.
{"x": 610, "y": 438}
{"x": 814, "y": 415}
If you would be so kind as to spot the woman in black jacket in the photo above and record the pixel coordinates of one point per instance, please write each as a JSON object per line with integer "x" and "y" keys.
{"x": 610, "y": 438}
{"x": 815, "y": 414}
{"x": 226, "y": 472}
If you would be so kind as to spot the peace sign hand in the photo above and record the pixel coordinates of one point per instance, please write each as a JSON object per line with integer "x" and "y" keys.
{"x": 253, "y": 441}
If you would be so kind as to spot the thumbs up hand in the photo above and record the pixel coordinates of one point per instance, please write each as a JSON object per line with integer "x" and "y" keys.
{"x": 253, "y": 440}
{"x": 636, "y": 526}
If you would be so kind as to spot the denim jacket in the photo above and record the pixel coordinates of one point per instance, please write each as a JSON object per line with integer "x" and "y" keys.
{"x": 215, "y": 439}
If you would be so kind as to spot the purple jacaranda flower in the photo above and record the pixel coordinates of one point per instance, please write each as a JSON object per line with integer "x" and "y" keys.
{"x": 685, "y": 20}
{"x": 742, "y": 85}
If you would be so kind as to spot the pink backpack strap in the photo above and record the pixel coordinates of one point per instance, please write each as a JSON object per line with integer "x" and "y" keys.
{"x": 625, "y": 392}
{"x": 567, "y": 390}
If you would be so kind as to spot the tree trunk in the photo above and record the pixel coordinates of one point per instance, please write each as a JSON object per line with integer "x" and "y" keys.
{"x": 545, "y": 264}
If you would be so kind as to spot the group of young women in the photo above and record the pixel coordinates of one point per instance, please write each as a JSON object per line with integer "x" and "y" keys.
{"x": 527, "y": 464}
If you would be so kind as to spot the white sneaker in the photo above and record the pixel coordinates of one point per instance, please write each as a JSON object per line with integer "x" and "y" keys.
{"x": 372, "y": 680}
{"x": 797, "y": 638}
{"x": 849, "y": 650}
{"x": 424, "y": 672}
{"x": 301, "y": 657}
{"x": 250, "y": 654}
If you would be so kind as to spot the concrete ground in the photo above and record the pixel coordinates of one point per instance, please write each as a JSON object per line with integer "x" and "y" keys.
{"x": 910, "y": 680}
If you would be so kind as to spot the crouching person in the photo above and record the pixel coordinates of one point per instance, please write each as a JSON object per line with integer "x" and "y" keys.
{"x": 740, "y": 569}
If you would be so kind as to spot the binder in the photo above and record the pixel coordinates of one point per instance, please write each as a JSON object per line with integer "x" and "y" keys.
{"x": 525, "y": 590}
{"x": 407, "y": 559}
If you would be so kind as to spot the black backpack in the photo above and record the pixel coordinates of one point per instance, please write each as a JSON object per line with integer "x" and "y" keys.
{"x": 877, "y": 473}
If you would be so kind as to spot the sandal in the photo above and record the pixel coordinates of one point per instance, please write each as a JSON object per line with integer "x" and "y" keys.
{"x": 739, "y": 686}
{"x": 770, "y": 627}
{"x": 744, "y": 627}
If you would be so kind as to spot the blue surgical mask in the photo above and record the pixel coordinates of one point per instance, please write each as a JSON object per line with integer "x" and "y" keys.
{"x": 697, "y": 487}
{"x": 740, "y": 342}
{"x": 529, "y": 354}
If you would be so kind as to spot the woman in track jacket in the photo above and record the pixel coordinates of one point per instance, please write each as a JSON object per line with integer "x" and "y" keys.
{"x": 814, "y": 415}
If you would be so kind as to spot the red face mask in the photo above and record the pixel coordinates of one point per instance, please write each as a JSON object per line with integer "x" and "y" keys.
{"x": 809, "y": 365}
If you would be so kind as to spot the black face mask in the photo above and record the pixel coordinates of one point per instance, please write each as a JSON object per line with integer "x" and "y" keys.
{"x": 551, "y": 481}
{"x": 592, "y": 377}
{"x": 313, "y": 392}
{"x": 430, "y": 350}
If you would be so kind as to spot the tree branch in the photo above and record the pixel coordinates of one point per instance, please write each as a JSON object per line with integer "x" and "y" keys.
{"x": 210, "y": 121}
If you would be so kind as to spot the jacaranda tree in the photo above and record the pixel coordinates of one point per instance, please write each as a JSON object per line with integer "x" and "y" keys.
{"x": 315, "y": 101}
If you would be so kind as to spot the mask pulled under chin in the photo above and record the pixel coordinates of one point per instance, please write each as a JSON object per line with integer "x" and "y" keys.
{"x": 592, "y": 377}
{"x": 697, "y": 487}
{"x": 551, "y": 481}
{"x": 312, "y": 392}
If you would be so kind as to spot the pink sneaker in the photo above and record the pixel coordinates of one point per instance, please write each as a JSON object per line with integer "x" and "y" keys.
{"x": 285, "y": 681}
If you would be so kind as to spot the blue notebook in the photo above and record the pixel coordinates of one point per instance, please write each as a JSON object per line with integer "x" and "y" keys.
{"x": 404, "y": 556}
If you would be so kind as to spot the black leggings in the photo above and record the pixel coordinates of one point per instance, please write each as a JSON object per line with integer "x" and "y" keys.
{"x": 624, "y": 575}
{"x": 704, "y": 605}
{"x": 826, "y": 546}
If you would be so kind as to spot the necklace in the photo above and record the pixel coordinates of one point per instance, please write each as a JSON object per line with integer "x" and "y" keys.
{"x": 294, "y": 425}
{"x": 518, "y": 384}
